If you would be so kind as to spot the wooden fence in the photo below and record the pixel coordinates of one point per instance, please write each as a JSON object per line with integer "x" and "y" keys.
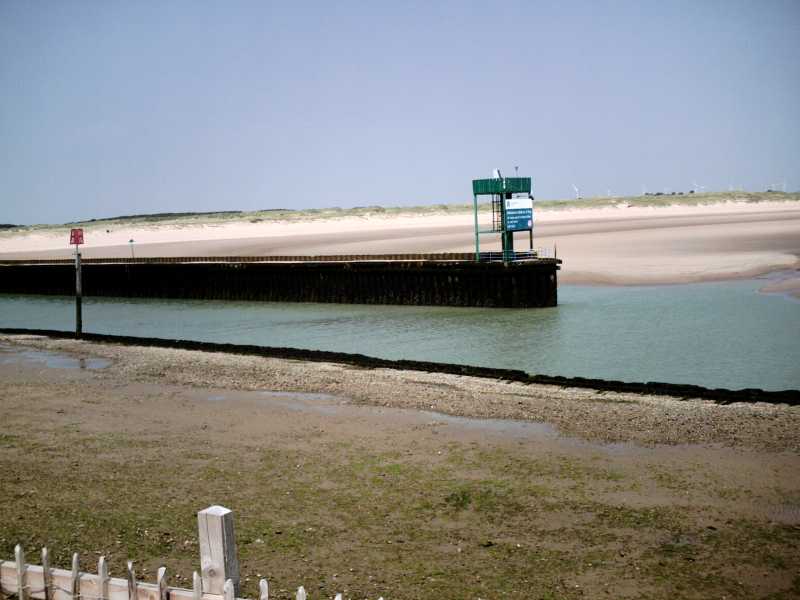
{"x": 218, "y": 578}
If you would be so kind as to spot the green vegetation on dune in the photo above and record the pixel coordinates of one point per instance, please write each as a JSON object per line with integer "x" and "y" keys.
{"x": 183, "y": 219}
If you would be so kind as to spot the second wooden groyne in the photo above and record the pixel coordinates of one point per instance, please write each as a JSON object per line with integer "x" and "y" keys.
{"x": 436, "y": 280}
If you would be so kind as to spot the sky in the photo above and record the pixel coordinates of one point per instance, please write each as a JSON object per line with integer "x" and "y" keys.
{"x": 112, "y": 108}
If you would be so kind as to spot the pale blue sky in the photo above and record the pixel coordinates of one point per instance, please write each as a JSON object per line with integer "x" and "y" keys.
{"x": 111, "y": 108}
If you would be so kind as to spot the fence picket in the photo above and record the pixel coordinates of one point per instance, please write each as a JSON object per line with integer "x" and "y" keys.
{"x": 227, "y": 590}
{"x": 47, "y": 576}
{"x": 74, "y": 577}
{"x": 102, "y": 578}
{"x": 132, "y": 591}
{"x": 161, "y": 581}
{"x": 263, "y": 588}
{"x": 22, "y": 573}
{"x": 197, "y": 586}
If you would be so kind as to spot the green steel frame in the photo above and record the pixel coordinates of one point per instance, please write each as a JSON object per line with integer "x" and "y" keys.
{"x": 498, "y": 187}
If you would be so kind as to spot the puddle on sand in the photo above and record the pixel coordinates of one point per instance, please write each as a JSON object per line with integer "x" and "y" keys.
{"x": 329, "y": 404}
{"x": 13, "y": 355}
{"x": 295, "y": 401}
{"x": 504, "y": 426}
{"x": 340, "y": 406}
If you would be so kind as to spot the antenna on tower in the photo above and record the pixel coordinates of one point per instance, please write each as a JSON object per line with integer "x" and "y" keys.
{"x": 577, "y": 192}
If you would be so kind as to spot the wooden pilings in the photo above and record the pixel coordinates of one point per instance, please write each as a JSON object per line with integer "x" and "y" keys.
{"x": 436, "y": 283}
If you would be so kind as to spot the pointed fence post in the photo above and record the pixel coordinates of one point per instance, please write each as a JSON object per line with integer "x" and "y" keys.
{"x": 218, "y": 561}
{"x": 22, "y": 573}
{"x": 74, "y": 580}
{"x": 227, "y": 590}
{"x": 161, "y": 581}
{"x": 197, "y": 586}
{"x": 133, "y": 592}
{"x": 47, "y": 576}
{"x": 102, "y": 578}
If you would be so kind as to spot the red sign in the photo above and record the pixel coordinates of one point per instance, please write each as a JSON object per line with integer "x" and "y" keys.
{"x": 76, "y": 236}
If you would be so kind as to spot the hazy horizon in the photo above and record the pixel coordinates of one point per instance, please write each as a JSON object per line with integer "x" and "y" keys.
{"x": 128, "y": 108}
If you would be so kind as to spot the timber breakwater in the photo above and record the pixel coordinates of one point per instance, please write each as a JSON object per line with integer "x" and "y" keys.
{"x": 411, "y": 279}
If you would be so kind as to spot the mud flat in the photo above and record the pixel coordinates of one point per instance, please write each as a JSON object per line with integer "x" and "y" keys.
{"x": 397, "y": 483}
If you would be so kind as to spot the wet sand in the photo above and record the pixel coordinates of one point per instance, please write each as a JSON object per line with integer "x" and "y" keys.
{"x": 376, "y": 482}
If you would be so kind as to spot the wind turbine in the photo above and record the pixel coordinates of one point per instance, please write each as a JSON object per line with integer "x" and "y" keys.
{"x": 577, "y": 192}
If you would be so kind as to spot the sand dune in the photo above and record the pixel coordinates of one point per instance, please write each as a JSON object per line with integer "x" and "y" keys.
{"x": 641, "y": 245}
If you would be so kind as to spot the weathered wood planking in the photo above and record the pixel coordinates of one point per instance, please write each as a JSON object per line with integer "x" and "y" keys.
{"x": 218, "y": 560}
{"x": 88, "y": 585}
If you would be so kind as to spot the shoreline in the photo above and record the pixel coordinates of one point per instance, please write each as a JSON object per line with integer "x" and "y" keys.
{"x": 599, "y": 246}
{"x": 607, "y": 416}
{"x": 673, "y": 391}
{"x": 787, "y": 286}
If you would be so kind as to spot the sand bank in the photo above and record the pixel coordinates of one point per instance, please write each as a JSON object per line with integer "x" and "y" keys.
{"x": 613, "y": 245}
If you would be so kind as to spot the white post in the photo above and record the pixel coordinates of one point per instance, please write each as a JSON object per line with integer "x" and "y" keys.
{"x": 133, "y": 592}
{"x": 74, "y": 579}
{"x": 161, "y": 581}
{"x": 197, "y": 586}
{"x": 218, "y": 561}
{"x": 102, "y": 578}
{"x": 227, "y": 590}
{"x": 22, "y": 573}
{"x": 47, "y": 576}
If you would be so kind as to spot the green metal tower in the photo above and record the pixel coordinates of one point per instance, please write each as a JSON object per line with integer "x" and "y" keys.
{"x": 511, "y": 211}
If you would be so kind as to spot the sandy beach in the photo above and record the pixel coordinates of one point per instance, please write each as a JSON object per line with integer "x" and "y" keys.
{"x": 616, "y": 245}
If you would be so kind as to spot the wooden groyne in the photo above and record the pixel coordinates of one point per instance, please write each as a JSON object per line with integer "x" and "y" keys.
{"x": 437, "y": 280}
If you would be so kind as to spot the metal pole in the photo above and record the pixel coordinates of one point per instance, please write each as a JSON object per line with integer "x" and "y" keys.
{"x": 505, "y": 235}
{"x": 477, "y": 235}
{"x": 78, "y": 295}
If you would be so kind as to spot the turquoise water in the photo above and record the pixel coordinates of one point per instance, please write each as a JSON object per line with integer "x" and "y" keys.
{"x": 712, "y": 334}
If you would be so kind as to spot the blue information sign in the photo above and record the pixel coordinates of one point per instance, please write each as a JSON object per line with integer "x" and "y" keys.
{"x": 519, "y": 214}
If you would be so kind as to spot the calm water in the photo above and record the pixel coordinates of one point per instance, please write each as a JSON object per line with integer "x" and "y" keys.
{"x": 711, "y": 334}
